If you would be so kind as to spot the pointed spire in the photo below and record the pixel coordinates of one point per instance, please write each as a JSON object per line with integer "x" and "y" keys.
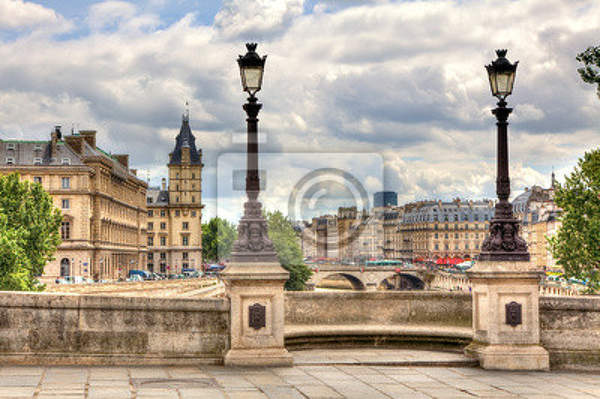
{"x": 186, "y": 114}
{"x": 553, "y": 178}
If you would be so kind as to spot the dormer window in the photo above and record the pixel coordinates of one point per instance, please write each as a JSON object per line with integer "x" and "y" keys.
{"x": 10, "y": 161}
{"x": 148, "y": 200}
{"x": 10, "y": 146}
{"x": 37, "y": 161}
{"x": 66, "y": 161}
{"x": 37, "y": 147}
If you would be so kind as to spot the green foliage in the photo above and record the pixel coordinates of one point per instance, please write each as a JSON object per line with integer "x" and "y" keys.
{"x": 576, "y": 246}
{"x": 590, "y": 72}
{"x": 281, "y": 232}
{"x": 218, "y": 236}
{"x": 29, "y": 233}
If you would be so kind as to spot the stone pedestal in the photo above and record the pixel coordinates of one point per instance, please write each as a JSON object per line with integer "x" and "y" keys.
{"x": 257, "y": 314}
{"x": 506, "y": 316}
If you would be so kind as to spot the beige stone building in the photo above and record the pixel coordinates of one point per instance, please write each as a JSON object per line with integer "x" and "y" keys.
{"x": 103, "y": 202}
{"x": 430, "y": 230}
{"x": 539, "y": 217}
{"x": 174, "y": 230}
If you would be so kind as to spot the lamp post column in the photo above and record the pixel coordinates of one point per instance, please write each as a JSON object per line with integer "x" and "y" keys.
{"x": 254, "y": 278}
{"x": 506, "y": 331}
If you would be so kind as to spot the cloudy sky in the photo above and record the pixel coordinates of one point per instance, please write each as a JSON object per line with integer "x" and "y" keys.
{"x": 399, "y": 81}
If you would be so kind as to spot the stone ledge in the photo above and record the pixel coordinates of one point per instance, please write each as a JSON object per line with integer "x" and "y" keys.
{"x": 70, "y": 359}
{"x": 332, "y": 330}
{"x": 76, "y": 301}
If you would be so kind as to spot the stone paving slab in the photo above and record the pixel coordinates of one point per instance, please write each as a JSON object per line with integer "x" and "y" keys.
{"x": 316, "y": 380}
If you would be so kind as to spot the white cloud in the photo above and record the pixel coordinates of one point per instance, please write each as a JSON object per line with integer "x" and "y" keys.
{"x": 110, "y": 14}
{"x": 257, "y": 18}
{"x": 18, "y": 14}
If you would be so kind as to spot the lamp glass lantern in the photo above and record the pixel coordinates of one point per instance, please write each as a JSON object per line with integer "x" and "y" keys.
{"x": 502, "y": 75}
{"x": 252, "y": 67}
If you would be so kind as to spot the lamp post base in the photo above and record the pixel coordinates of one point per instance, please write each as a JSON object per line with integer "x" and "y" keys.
{"x": 509, "y": 357}
{"x": 506, "y": 327}
{"x": 255, "y": 292}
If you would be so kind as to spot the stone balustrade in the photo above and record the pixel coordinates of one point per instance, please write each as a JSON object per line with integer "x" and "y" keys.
{"x": 44, "y": 328}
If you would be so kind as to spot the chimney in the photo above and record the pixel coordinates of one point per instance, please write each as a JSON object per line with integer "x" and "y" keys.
{"x": 54, "y": 137}
{"x": 164, "y": 184}
{"x": 123, "y": 159}
{"x": 76, "y": 143}
{"x": 89, "y": 136}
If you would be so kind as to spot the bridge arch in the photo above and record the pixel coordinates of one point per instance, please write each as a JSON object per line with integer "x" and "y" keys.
{"x": 403, "y": 281}
{"x": 357, "y": 283}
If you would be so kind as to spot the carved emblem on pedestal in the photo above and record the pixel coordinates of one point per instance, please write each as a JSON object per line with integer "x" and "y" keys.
{"x": 514, "y": 314}
{"x": 257, "y": 316}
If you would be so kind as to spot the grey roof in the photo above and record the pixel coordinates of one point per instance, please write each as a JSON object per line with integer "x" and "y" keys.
{"x": 185, "y": 139}
{"x": 157, "y": 197}
{"x": 450, "y": 212}
{"x": 30, "y": 153}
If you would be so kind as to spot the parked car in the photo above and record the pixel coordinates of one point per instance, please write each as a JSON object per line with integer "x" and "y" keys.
{"x": 143, "y": 274}
{"x": 191, "y": 273}
{"x": 71, "y": 280}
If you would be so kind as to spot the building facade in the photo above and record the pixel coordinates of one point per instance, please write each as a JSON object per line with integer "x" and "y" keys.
{"x": 174, "y": 230}
{"x": 430, "y": 230}
{"x": 102, "y": 201}
{"x": 540, "y": 219}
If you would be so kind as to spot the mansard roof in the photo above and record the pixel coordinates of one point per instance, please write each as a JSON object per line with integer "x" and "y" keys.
{"x": 185, "y": 139}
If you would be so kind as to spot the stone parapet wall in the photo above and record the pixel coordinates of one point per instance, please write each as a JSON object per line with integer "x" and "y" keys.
{"x": 440, "y": 318}
{"x": 570, "y": 331}
{"x": 42, "y": 328}
{"x": 150, "y": 288}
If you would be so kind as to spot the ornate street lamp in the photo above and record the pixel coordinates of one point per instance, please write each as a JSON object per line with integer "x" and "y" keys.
{"x": 252, "y": 244}
{"x": 504, "y": 242}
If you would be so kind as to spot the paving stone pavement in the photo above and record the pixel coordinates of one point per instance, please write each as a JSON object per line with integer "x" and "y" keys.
{"x": 355, "y": 378}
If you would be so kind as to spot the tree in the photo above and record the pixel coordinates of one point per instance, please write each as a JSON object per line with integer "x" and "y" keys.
{"x": 218, "y": 236}
{"x": 283, "y": 236}
{"x": 576, "y": 246}
{"x": 29, "y": 233}
{"x": 590, "y": 73}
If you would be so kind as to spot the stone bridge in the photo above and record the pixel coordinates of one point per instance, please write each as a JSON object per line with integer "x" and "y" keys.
{"x": 371, "y": 277}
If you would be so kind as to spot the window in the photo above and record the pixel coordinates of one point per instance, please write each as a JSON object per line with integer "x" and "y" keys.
{"x": 185, "y": 240}
{"x": 163, "y": 241}
{"x": 10, "y": 146}
{"x": 37, "y": 161}
{"x": 184, "y": 255}
{"x": 193, "y": 199}
{"x": 66, "y": 161}
{"x": 37, "y": 179}
{"x": 177, "y": 175}
{"x": 162, "y": 213}
{"x": 193, "y": 175}
{"x": 163, "y": 268}
{"x": 66, "y": 182}
{"x": 151, "y": 267}
{"x": 163, "y": 225}
{"x": 177, "y": 187}
{"x": 10, "y": 161}
{"x": 446, "y": 235}
{"x": 185, "y": 265}
{"x": 177, "y": 213}
{"x": 150, "y": 225}
{"x": 437, "y": 246}
{"x": 150, "y": 241}
{"x": 65, "y": 230}
{"x": 150, "y": 255}
{"x": 193, "y": 213}
{"x": 466, "y": 246}
{"x": 150, "y": 213}
{"x": 185, "y": 225}
{"x": 455, "y": 235}
{"x": 149, "y": 201}
{"x": 436, "y": 235}
{"x": 176, "y": 199}
{"x": 37, "y": 147}
{"x": 163, "y": 255}
{"x": 65, "y": 204}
